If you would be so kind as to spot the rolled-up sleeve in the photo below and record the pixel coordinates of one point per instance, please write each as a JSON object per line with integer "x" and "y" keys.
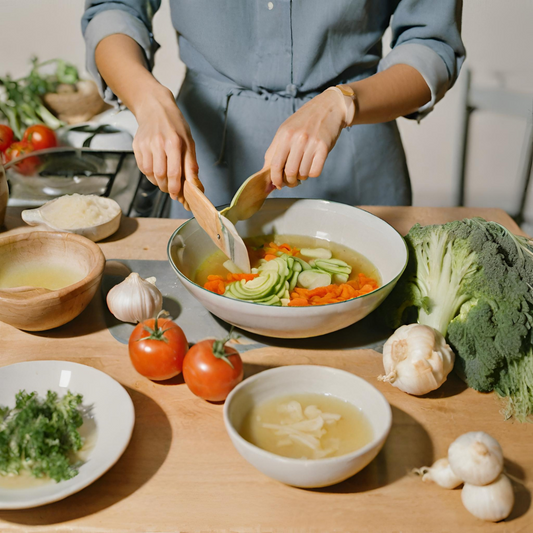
{"x": 426, "y": 35}
{"x": 129, "y": 17}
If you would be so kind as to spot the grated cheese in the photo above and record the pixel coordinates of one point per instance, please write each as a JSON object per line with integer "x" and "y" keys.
{"x": 80, "y": 211}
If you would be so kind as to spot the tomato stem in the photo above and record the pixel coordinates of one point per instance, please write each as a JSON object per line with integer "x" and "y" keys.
{"x": 156, "y": 333}
{"x": 218, "y": 347}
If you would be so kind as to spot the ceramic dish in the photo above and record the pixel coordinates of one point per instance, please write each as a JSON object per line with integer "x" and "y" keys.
{"x": 38, "y": 217}
{"x": 287, "y": 380}
{"x": 349, "y": 226}
{"x": 111, "y": 409}
{"x": 36, "y": 309}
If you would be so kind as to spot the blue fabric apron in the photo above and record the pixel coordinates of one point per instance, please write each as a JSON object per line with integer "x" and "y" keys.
{"x": 252, "y": 63}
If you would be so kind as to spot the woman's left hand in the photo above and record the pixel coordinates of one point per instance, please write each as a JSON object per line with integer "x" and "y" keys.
{"x": 304, "y": 140}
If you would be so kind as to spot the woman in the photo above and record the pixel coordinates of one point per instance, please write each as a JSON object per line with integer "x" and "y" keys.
{"x": 260, "y": 90}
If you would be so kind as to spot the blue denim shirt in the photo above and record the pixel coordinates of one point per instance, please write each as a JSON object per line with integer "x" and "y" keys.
{"x": 254, "y": 62}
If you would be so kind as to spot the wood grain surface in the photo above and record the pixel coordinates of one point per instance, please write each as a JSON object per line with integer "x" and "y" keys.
{"x": 181, "y": 472}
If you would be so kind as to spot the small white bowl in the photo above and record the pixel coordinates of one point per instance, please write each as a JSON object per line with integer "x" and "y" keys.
{"x": 297, "y": 379}
{"x": 38, "y": 217}
{"x": 111, "y": 409}
{"x": 354, "y": 228}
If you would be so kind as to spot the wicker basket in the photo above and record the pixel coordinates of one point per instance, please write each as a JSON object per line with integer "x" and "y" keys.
{"x": 78, "y": 106}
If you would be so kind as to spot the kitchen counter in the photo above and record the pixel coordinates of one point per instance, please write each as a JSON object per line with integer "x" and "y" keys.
{"x": 181, "y": 472}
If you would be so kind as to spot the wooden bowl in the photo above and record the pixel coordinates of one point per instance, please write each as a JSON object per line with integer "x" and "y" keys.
{"x": 3, "y": 193}
{"x": 37, "y": 309}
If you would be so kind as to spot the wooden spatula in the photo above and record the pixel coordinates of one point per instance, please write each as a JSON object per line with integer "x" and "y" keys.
{"x": 250, "y": 197}
{"x": 217, "y": 226}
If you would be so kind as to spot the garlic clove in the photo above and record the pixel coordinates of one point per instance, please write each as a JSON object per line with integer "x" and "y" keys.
{"x": 492, "y": 502}
{"x": 441, "y": 474}
{"x": 416, "y": 359}
{"x": 135, "y": 299}
{"x": 476, "y": 457}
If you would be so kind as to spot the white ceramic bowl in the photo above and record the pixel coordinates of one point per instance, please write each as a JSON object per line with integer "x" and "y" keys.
{"x": 349, "y": 226}
{"x": 286, "y": 380}
{"x": 38, "y": 217}
{"x": 112, "y": 412}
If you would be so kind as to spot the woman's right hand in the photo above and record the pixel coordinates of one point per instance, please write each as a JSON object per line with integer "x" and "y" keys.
{"x": 163, "y": 145}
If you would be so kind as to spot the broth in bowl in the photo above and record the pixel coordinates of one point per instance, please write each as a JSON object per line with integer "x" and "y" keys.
{"x": 291, "y": 271}
{"x": 307, "y": 426}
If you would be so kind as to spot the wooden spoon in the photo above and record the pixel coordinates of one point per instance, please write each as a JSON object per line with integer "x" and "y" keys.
{"x": 217, "y": 226}
{"x": 250, "y": 197}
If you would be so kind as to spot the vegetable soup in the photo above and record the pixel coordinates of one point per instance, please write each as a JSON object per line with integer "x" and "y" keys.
{"x": 291, "y": 270}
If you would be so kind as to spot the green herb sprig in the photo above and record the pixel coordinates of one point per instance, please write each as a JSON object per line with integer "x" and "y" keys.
{"x": 38, "y": 435}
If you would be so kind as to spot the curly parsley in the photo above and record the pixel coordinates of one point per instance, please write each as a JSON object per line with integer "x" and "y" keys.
{"x": 38, "y": 435}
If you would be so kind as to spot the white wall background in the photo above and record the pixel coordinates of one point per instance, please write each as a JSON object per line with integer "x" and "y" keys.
{"x": 499, "y": 40}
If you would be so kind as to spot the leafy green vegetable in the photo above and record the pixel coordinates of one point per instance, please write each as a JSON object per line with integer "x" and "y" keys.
{"x": 472, "y": 280}
{"x": 516, "y": 384}
{"x": 38, "y": 434}
{"x": 20, "y": 100}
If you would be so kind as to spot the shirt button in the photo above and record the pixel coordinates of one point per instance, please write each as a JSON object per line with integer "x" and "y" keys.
{"x": 270, "y": 6}
{"x": 291, "y": 89}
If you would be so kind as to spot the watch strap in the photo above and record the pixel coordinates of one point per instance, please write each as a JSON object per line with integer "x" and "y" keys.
{"x": 349, "y": 99}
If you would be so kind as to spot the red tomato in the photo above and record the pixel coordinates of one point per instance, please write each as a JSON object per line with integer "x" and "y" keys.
{"x": 28, "y": 165}
{"x": 6, "y": 137}
{"x": 212, "y": 370}
{"x": 40, "y": 136}
{"x": 157, "y": 347}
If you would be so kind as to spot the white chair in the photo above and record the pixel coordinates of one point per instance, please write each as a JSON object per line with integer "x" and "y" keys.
{"x": 476, "y": 98}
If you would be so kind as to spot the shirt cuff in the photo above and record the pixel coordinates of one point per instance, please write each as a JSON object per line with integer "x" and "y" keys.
{"x": 430, "y": 65}
{"x": 111, "y": 22}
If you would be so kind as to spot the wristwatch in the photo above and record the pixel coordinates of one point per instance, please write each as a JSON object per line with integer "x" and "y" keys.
{"x": 349, "y": 98}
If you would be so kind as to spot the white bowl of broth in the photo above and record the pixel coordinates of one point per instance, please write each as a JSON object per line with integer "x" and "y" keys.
{"x": 366, "y": 242}
{"x": 347, "y": 418}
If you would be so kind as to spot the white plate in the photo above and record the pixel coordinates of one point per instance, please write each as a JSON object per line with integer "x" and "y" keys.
{"x": 112, "y": 410}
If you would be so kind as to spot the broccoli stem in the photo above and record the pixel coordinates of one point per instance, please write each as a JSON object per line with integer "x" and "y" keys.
{"x": 441, "y": 273}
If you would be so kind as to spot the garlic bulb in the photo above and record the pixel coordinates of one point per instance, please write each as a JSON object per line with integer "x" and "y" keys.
{"x": 491, "y": 502}
{"x": 135, "y": 299}
{"x": 440, "y": 473}
{"x": 476, "y": 457}
{"x": 416, "y": 359}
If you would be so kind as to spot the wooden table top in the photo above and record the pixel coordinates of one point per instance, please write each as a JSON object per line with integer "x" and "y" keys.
{"x": 181, "y": 472}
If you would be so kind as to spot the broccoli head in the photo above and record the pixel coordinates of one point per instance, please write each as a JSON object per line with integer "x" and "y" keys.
{"x": 473, "y": 281}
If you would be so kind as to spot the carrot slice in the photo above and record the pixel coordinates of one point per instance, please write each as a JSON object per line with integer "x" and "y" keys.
{"x": 215, "y": 286}
{"x": 218, "y": 284}
{"x": 298, "y": 302}
{"x": 335, "y": 293}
